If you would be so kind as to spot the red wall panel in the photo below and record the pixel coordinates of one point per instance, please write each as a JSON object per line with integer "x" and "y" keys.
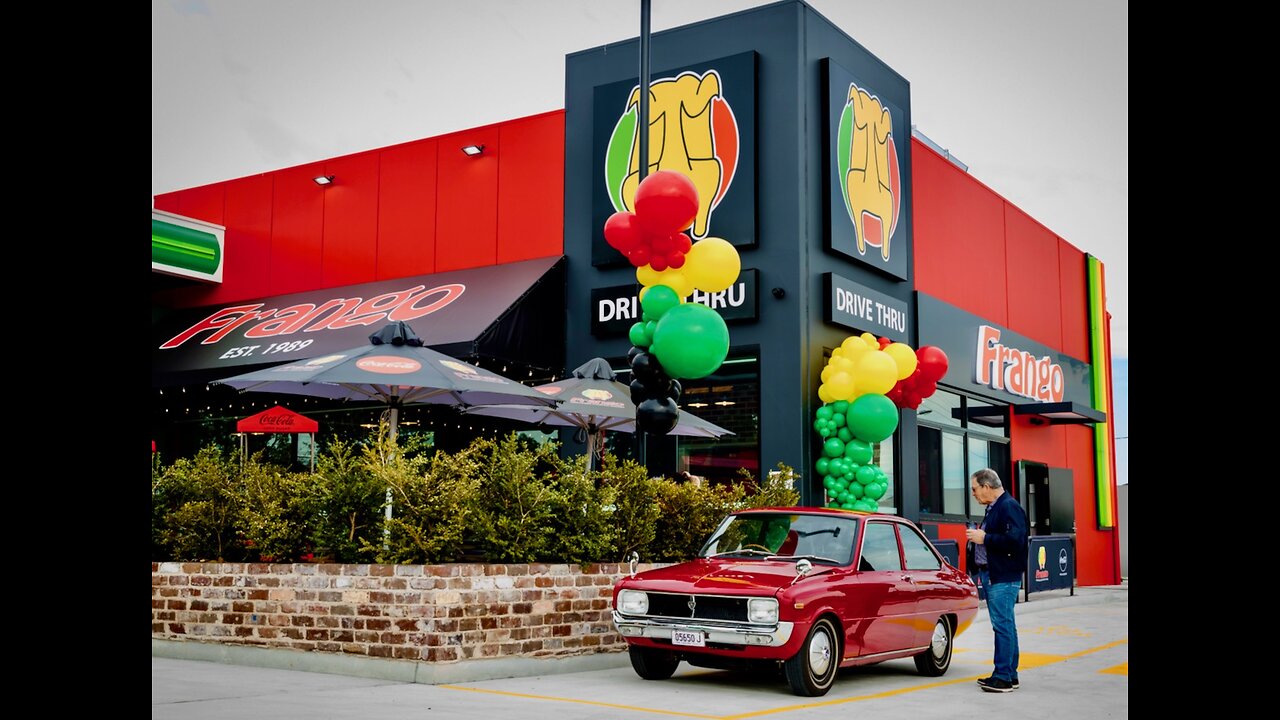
{"x": 531, "y": 188}
{"x": 959, "y": 237}
{"x": 407, "y": 210}
{"x": 1074, "y": 307}
{"x": 168, "y": 202}
{"x": 204, "y": 203}
{"x": 1031, "y": 257}
{"x": 1040, "y": 443}
{"x": 247, "y": 269}
{"x": 297, "y": 210}
{"x": 350, "y": 245}
{"x": 467, "y": 202}
{"x": 1095, "y": 549}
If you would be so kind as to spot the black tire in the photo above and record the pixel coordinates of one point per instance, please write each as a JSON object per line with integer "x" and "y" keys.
{"x": 935, "y": 660}
{"x": 652, "y": 664}
{"x": 812, "y": 670}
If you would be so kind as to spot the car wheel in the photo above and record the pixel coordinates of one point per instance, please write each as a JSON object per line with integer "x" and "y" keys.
{"x": 812, "y": 670}
{"x": 652, "y": 664}
{"x": 935, "y": 660}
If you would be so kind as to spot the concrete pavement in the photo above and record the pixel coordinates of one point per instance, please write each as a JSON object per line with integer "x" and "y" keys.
{"x": 1074, "y": 664}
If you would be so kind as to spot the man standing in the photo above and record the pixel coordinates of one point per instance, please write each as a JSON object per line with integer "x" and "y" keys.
{"x": 1000, "y": 554}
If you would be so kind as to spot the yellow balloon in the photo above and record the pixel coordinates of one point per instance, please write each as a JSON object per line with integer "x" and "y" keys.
{"x": 841, "y": 385}
{"x": 871, "y": 341}
{"x": 877, "y": 372}
{"x": 712, "y": 264}
{"x": 672, "y": 278}
{"x": 827, "y": 372}
{"x": 837, "y": 352}
{"x": 904, "y": 356}
{"x": 853, "y": 347}
{"x": 824, "y": 394}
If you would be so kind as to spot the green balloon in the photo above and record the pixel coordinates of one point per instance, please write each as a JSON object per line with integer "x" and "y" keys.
{"x": 858, "y": 451}
{"x": 839, "y": 419}
{"x": 638, "y": 336}
{"x": 691, "y": 341}
{"x": 844, "y": 434}
{"x": 866, "y": 475}
{"x": 865, "y": 506}
{"x": 824, "y": 412}
{"x": 658, "y": 299}
{"x": 856, "y": 491}
{"x": 822, "y": 466}
{"x": 875, "y": 491}
{"x": 833, "y": 448}
{"x": 829, "y": 483}
{"x": 840, "y": 406}
{"x": 872, "y": 417}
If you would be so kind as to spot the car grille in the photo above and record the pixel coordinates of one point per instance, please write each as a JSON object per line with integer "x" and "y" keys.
{"x": 706, "y": 607}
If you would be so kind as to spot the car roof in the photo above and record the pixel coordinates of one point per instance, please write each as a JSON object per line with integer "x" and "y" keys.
{"x": 839, "y": 512}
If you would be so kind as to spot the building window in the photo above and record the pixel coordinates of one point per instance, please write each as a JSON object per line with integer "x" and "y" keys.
{"x": 958, "y": 436}
{"x": 730, "y": 398}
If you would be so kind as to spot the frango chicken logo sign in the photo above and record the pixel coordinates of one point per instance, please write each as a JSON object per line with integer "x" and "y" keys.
{"x": 701, "y": 125}
{"x": 691, "y": 130}
{"x": 867, "y": 161}
{"x": 866, "y": 204}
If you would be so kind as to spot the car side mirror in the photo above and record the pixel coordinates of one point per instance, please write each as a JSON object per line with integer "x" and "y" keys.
{"x": 803, "y": 567}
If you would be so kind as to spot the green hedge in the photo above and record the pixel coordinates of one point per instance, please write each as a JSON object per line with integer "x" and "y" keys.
{"x": 502, "y": 501}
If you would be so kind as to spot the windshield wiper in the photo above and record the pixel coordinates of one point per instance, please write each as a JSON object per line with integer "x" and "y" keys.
{"x": 749, "y": 551}
{"x": 807, "y": 557}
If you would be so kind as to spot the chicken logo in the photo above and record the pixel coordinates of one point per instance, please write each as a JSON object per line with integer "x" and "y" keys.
{"x": 692, "y": 130}
{"x": 868, "y": 173}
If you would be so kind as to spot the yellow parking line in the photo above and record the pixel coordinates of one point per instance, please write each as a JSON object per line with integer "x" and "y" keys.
{"x": 581, "y": 702}
{"x": 1039, "y": 661}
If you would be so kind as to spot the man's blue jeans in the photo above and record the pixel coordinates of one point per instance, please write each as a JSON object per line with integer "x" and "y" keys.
{"x": 1001, "y": 597}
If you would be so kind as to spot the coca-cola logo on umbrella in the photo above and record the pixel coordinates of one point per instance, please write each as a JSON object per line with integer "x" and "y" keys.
{"x": 388, "y": 364}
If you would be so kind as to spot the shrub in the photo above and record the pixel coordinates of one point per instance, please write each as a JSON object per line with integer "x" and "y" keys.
{"x": 514, "y": 517}
{"x": 272, "y": 511}
{"x": 196, "y": 501}
{"x": 346, "y": 505}
{"x": 584, "y": 510}
{"x": 432, "y": 500}
{"x": 636, "y": 509}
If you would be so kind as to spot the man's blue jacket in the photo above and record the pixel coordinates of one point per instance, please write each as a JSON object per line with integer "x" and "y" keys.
{"x": 1006, "y": 540}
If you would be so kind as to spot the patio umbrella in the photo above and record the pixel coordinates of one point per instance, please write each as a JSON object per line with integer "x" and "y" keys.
{"x": 592, "y": 399}
{"x": 393, "y": 368}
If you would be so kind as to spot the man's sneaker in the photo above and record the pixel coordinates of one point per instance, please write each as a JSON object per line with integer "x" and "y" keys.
{"x": 982, "y": 681}
{"x": 995, "y": 684}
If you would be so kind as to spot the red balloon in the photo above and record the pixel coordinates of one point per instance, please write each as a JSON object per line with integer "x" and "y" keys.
{"x": 622, "y": 232}
{"x": 661, "y": 244}
{"x": 885, "y": 342}
{"x": 926, "y": 388}
{"x": 683, "y": 243}
{"x": 639, "y": 256}
{"x": 658, "y": 262}
{"x": 931, "y": 362}
{"x": 896, "y": 394}
{"x": 675, "y": 260}
{"x": 666, "y": 202}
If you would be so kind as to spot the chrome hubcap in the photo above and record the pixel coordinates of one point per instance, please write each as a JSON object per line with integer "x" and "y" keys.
{"x": 820, "y": 653}
{"x": 939, "y": 642}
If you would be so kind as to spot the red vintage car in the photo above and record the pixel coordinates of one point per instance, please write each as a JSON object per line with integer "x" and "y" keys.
{"x": 808, "y": 589}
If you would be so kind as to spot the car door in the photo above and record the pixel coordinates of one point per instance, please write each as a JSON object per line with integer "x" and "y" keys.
{"x": 883, "y": 602}
{"x": 933, "y": 592}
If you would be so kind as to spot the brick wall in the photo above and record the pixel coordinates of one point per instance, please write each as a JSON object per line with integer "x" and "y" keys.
{"x": 433, "y": 613}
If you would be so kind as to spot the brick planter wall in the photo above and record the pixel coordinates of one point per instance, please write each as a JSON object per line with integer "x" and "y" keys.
{"x": 431, "y": 613}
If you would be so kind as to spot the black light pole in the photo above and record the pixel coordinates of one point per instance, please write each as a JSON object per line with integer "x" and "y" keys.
{"x": 642, "y": 129}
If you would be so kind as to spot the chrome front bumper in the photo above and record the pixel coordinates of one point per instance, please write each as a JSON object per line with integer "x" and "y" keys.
{"x": 754, "y": 635}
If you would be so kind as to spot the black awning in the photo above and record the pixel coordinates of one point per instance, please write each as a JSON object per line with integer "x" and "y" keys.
{"x": 1061, "y": 413}
{"x": 989, "y": 415}
{"x": 512, "y": 312}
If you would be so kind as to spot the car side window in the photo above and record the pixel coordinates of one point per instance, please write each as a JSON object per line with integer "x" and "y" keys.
{"x": 916, "y": 550}
{"x": 880, "y": 548}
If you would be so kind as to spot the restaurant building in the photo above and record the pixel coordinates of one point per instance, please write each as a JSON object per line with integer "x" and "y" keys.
{"x": 489, "y": 243}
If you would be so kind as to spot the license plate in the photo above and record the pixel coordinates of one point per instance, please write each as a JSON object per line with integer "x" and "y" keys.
{"x": 688, "y": 637}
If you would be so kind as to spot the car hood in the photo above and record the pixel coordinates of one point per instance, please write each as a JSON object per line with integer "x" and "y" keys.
{"x": 721, "y": 577}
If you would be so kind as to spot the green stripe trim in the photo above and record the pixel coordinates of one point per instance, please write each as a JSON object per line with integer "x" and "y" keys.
{"x": 185, "y": 248}
{"x": 1101, "y": 383}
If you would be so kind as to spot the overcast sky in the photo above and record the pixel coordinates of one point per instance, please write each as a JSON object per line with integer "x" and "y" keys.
{"x": 1032, "y": 95}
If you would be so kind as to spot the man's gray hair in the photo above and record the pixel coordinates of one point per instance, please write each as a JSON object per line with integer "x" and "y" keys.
{"x": 987, "y": 477}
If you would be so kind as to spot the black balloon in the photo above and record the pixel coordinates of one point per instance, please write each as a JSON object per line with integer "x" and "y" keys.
{"x": 639, "y": 392}
{"x": 647, "y": 369}
{"x": 631, "y": 354}
{"x": 657, "y": 416}
{"x": 676, "y": 390}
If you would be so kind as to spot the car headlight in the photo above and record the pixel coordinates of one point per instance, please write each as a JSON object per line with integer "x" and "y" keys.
{"x": 762, "y": 610}
{"x": 634, "y": 602}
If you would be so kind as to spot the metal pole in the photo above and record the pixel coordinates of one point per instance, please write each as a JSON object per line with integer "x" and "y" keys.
{"x": 643, "y": 128}
{"x": 392, "y": 418}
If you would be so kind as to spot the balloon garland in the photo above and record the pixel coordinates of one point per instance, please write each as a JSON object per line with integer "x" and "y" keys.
{"x": 864, "y": 385}
{"x": 674, "y": 339}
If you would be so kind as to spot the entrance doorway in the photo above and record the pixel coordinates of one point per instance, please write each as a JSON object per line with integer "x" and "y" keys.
{"x": 1048, "y": 495}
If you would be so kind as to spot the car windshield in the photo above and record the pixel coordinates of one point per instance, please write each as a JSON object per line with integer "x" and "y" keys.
{"x": 823, "y": 539}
